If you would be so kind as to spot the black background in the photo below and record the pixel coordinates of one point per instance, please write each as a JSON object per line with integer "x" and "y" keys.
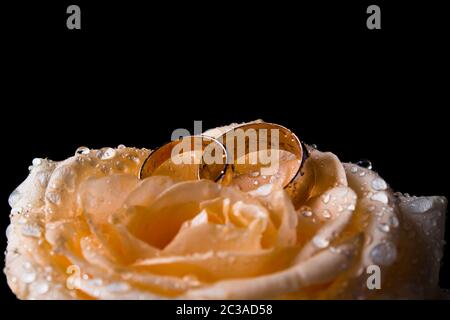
{"x": 134, "y": 73}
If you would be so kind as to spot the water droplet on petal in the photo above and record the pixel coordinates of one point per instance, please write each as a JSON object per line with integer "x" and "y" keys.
{"x": 121, "y": 146}
{"x": 334, "y": 250}
{"x": 17, "y": 210}
{"x": 43, "y": 178}
{"x": 30, "y": 230}
{"x": 365, "y": 164}
{"x": 13, "y": 198}
{"x": 384, "y": 227}
{"x": 53, "y": 197}
{"x": 379, "y": 184}
{"x": 82, "y": 150}
{"x": 106, "y": 153}
{"x": 118, "y": 287}
{"x": 384, "y": 254}
{"x": 255, "y": 173}
{"x": 354, "y": 169}
{"x": 26, "y": 265}
{"x": 418, "y": 205}
{"x": 41, "y": 287}
{"x": 36, "y": 162}
{"x": 96, "y": 282}
{"x": 28, "y": 277}
{"x": 264, "y": 190}
{"x": 9, "y": 230}
{"x": 307, "y": 213}
{"x": 380, "y": 196}
{"x": 326, "y": 198}
{"x": 320, "y": 242}
{"x": 326, "y": 214}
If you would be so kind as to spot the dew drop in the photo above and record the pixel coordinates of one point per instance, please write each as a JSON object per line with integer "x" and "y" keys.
{"x": 380, "y": 196}
{"x": 41, "y": 288}
{"x": 326, "y": 198}
{"x": 96, "y": 282}
{"x": 106, "y": 153}
{"x": 15, "y": 211}
{"x": 326, "y": 214}
{"x": 121, "y": 146}
{"x": 384, "y": 254}
{"x": 379, "y": 184}
{"x": 43, "y": 178}
{"x": 9, "y": 230}
{"x": 30, "y": 230}
{"x": 53, "y": 197}
{"x": 255, "y": 173}
{"x": 264, "y": 190}
{"x": 307, "y": 213}
{"x": 82, "y": 150}
{"x": 118, "y": 287}
{"x": 334, "y": 250}
{"x": 320, "y": 242}
{"x": 36, "y": 162}
{"x": 365, "y": 164}
{"x": 354, "y": 169}
{"x": 418, "y": 205}
{"x": 384, "y": 227}
{"x": 28, "y": 277}
{"x": 13, "y": 198}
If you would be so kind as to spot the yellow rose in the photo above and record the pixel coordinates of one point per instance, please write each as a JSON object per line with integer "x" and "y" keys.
{"x": 87, "y": 228}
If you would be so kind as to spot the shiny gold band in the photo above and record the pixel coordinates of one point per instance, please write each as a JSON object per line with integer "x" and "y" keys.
{"x": 242, "y": 139}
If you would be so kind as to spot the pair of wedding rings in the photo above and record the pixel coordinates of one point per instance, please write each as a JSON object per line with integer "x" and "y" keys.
{"x": 234, "y": 153}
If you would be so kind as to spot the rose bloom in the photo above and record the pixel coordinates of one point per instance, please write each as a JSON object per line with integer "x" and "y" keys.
{"x": 88, "y": 228}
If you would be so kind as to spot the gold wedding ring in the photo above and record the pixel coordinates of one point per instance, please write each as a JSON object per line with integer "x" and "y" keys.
{"x": 254, "y": 138}
{"x": 233, "y": 157}
{"x": 162, "y": 160}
